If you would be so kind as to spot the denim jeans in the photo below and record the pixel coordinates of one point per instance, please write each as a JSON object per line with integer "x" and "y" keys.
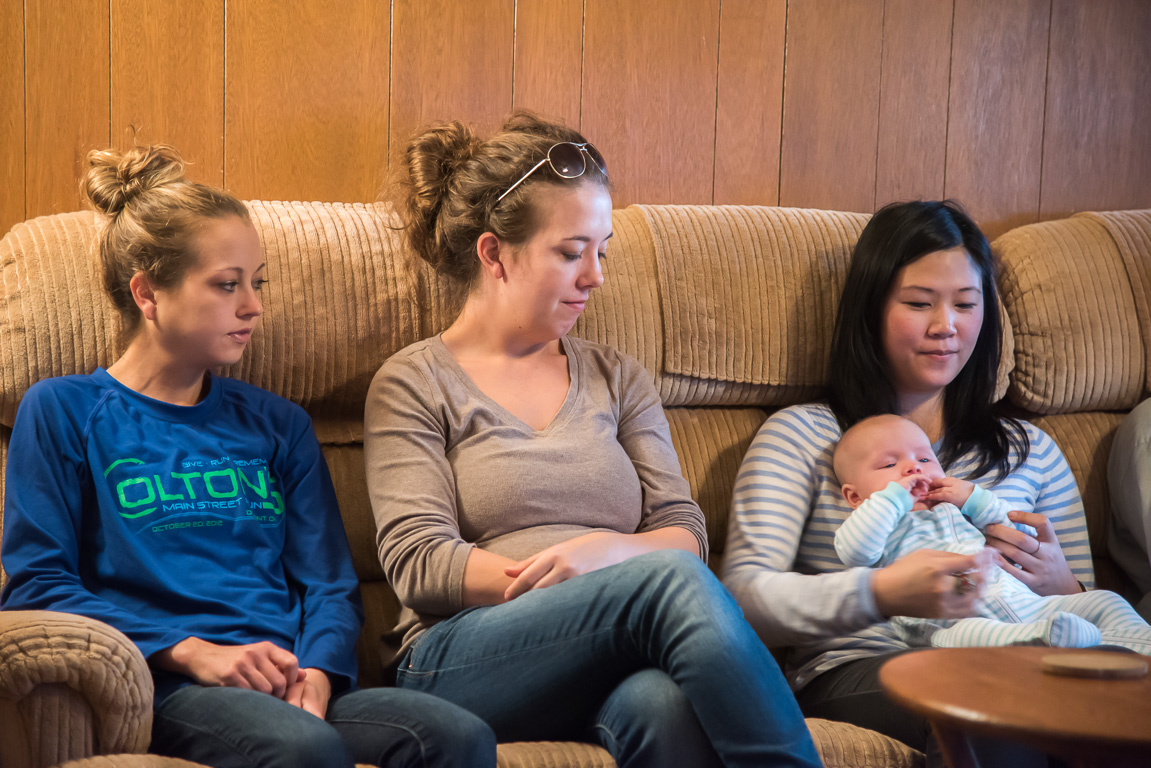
{"x": 238, "y": 728}
{"x": 650, "y": 658}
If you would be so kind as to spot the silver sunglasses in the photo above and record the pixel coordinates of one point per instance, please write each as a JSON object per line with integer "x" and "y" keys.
{"x": 567, "y": 160}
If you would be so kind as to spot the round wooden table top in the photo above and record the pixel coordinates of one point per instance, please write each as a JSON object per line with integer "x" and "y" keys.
{"x": 1005, "y": 692}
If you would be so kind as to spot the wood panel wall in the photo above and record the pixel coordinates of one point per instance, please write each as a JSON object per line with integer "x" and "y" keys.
{"x": 12, "y": 205}
{"x": 1021, "y": 109}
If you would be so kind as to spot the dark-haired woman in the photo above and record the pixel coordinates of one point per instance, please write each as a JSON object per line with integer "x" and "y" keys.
{"x": 917, "y": 334}
{"x": 532, "y": 516}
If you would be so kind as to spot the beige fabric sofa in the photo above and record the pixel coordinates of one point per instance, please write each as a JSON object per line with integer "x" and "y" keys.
{"x": 730, "y": 308}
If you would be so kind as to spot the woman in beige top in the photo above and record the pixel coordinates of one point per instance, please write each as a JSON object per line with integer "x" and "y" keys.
{"x": 531, "y": 513}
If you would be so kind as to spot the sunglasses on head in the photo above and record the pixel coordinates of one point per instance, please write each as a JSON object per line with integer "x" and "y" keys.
{"x": 567, "y": 160}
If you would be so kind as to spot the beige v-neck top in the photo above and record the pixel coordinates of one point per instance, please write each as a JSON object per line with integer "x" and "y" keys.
{"x": 448, "y": 468}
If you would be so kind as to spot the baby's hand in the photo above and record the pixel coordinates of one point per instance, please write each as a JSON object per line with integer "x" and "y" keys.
{"x": 917, "y": 485}
{"x": 950, "y": 489}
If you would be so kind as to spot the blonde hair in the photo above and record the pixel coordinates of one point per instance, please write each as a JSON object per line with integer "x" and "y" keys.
{"x": 450, "y": 194}
{"x": 152, "y": 216}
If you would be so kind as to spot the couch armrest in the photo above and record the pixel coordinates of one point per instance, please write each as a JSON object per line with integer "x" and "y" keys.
{"x": 42, "y": 648}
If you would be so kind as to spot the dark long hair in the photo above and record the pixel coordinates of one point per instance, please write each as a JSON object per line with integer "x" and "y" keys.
{"x": 861, "y": 385}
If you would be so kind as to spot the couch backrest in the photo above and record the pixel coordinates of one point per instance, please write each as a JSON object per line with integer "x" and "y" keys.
{"x": 725, "y": 305}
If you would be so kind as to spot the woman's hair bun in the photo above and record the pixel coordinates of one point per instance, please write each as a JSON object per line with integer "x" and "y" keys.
{"x": 434, "y": 157}
{"x": 115, "y": 178}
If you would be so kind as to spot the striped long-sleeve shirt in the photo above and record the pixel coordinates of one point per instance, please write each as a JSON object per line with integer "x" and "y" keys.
{"x": 780, "y": 560}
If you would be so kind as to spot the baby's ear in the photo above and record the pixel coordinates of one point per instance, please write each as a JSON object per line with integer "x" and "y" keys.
{"x": 851, "y": 496}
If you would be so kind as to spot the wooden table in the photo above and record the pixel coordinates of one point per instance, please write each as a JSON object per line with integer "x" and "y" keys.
{"x": 1003, "y": 692}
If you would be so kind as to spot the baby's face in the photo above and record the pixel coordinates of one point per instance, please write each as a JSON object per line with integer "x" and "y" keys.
{"x": 892, "y": 451}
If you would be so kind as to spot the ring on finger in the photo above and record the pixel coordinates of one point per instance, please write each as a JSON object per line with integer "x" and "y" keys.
{"x": 964, "y": 584}
{"x": 1038, "y": 544}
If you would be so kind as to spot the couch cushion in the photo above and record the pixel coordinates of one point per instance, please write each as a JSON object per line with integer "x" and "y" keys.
{"x": 552, "y": 754}
{"x": 342, "y": 299}
{"x": 1071, "y": 305}
{"x": 1085, "y": 439}
{"x": 346, "y": 465}
{"x": 381, "y": 615}
{"x": 54, "y": 316}
{"x": 1131, "y": 231}
{"x": 749, "y": 294}
{"x": 840, "y": 746}
{"x": 624, "y": 312}
{"x": 130, "y": 761}
{"x": 711, "y": 443}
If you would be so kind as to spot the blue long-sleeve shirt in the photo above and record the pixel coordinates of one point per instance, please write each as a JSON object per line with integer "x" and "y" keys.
{"x": 216, "y": 521}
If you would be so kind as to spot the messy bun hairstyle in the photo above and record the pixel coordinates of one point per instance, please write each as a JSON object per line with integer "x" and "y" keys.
{"x": 152, "y": 215}
{"x": 454, "y": 180}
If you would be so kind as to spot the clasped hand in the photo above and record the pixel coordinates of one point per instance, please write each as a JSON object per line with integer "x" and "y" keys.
{"x": 262, "y": 667}
{"x": 564, "y": 561}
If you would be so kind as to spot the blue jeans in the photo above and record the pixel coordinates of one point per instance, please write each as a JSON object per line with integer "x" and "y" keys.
{"x": 238, "y": 728}
{"x": 651, "y": 659}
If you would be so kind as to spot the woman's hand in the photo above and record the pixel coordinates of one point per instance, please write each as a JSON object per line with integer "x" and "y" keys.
{"x": 591, "y": 552}
{"x": 1042, "y": 565}
{"x": 924, "y": 584}
{"x": 566, "y": 560}
{"x": 311, "y": 693}
{"x": 262, "y": 667}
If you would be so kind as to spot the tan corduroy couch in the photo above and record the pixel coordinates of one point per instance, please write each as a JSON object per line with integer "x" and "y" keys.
{"x": 730, "y": 308}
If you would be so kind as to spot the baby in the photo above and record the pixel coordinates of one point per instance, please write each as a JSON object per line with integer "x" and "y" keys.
{"x": 903, "y": 501}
